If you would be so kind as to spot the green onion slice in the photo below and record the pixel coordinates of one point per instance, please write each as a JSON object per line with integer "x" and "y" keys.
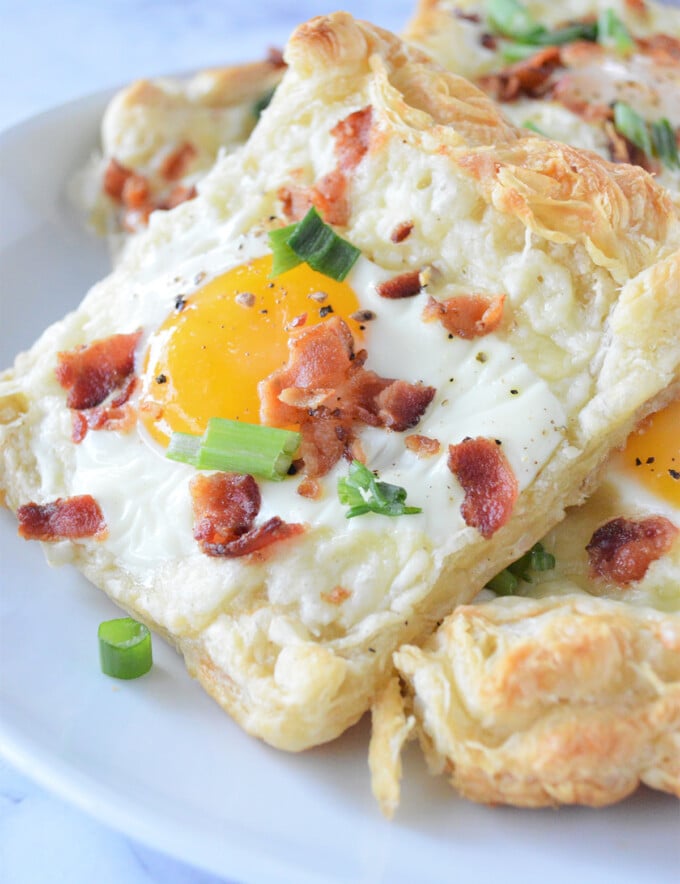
{"x": 664, "y": 144}
{"x": 507, "y": 581}
{"x": 263, "y": 102}
{"x": 236, "y": 447}
{"x": 612, "y": 32}
{"x": 629, "y": 123}
{"x": 513, "y": 19}
{"x": 124, "y": 648}
{"x": 315, "y": 242}
{"x": 504, "y": 583}
{"x": 528, "y": 124}
{"x": 363, "y": 493}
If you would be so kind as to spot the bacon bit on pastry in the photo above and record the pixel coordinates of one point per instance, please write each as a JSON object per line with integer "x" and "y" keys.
{"x": 467, "y": 316}
{"x": 118, "y": 414}
{"x": 530, "y": 77}
{"x": 178, "y": 195}
{"x": 401, "y": 405}
{"x": 225, "y": 507}
{"x": 115, "y": 176}
{"x": 336, "y": 596}
{"x": 423, "y": 446}
{"x": 488, "y": 481}
{"x": 662, "y": 48}
{"x": 622, "y": 550}
{"x": 136, "y": 192}
{"x": 401, "y": 231}
{"x": 639, "y": 7}
{"x": 406, "y": 285}
{"x": 352, "y": 138}
{"x": 329, "y": 194}
{"x": 176, "y": 164}
{"x": 91, "y": 373}
{"x": 66, "y": 518}
{"x": 325, "y": 389}
{"x": 310, "y": 489}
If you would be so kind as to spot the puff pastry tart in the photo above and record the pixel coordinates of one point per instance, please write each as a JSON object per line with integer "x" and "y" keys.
{"x": 570, "y": 694}
{"x": 450, "y": 322}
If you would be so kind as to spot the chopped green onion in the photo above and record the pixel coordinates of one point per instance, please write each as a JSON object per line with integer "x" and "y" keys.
{"x": 517, "y": 51}
{"x": 284, "y": 257}
{"x": 184, "y": 447}
{"x": 630, "y": 124}
{"x": 507, "y": 581}
{"x": 664, "y": 144}
{"x": 263, "y": 102}
{"x": 568, "y": 34}
{"x": 504, "y": 583}
{"x": 512, "y": 19}
{"x": 363, "y": 493}
{"x": 124, "y": 648}
{"x": 541, "y": 560}
{"x": 237, "y": 447}
{"x": 528, "y": 124}
{"x": 612, "y": 32}
{"x": 315, "y": 242}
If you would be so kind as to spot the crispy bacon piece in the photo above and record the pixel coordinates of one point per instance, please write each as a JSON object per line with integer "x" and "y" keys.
{"x": 467, "y": 316}
{"x": 176, "y": 164}
{"x": 488, "y": 481}
{"x": 401, "y": 405}
{"x": 178, "y": 195}
{"x": 66, "y": 518}
{"x": 352, "y": 138}
{"x": 663, "y": 48}
{"x": 423, "y": 446}
{"x": 115, "y": 176}
{"x": 530, "y": 77}
{"x": 329, "y": 194}
{"x": 225, "y": 507}
{"x": 91, "y": 373}
{"x": 325, "y": 389}
{"x": 622, "y": 550}
{"x": 402, "y": 231}
{"x": 118, "y": 414}
{"x": 406, "y": 285}
{"x": 569, "y": 92}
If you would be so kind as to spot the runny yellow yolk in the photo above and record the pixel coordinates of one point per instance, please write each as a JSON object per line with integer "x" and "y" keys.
{"x": 208, "y": 357}
{"x": 652, "y": 454}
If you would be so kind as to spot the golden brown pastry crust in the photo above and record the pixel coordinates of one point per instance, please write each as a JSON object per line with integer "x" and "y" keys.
{"x": 566, "y": 700}
{"x": 299, "y": 690}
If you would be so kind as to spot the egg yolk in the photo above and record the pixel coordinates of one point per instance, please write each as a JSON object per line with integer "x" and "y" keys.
{"x": 208, "y": 357}
{"x": 652, "y": 454}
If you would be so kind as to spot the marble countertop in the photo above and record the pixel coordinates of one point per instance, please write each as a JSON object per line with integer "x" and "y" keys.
{"x": 50, "y": 53}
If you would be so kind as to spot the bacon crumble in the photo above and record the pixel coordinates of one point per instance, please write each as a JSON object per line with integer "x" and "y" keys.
{"x": 92, "y": 372}
{"x": 329, "y": 194}
{"x": 402, "y": 231}
{"x": 422, "y": 446}
{"x": 225, "y": 506}
{"x": 176, "y": 164}
{"x": 622, "y": 550}
{"x": 406, "y": 285}
{"x": 488, "y": 481}
{"x": 66, "y": 518}
{"x": 467, "y": 316}
{"x": 325, "y": 389}
{"x": 530, "y": 77}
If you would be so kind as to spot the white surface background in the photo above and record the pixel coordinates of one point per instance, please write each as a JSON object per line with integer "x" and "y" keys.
{"x": 50, "y": 53}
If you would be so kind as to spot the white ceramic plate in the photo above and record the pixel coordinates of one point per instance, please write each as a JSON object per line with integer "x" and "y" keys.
{"x": 155, "y": 757}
